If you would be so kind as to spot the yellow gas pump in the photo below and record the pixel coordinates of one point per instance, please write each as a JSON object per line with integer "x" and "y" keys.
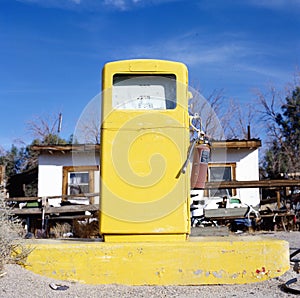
{"x": 144, "y": 142}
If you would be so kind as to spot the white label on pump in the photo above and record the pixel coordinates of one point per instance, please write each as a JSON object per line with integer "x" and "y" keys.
{"x": 139, "y": 97}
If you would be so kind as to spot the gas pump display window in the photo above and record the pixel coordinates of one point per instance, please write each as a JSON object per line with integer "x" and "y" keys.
{"x": 144, "y": 92}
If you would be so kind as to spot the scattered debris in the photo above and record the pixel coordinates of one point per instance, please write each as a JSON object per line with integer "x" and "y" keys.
{"x": 54, "y": 286}
{"x": 286, "y": 287}
{"x": 296, "y": 266}
{"x": 294, "y": 254}
{"x": 2, "y": 274}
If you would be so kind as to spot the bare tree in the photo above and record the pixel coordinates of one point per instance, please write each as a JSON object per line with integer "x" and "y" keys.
{"x": 209, "y": 108}
{"x": 222, "y": 118}
{"x": 280, "y": 113}
{"x": 270, "y": 103}
{"x": 238, "y": 120}
{"x": 45, "y": 129}
{"x": 2, "y": 151}
{"x": 87, "y": 130}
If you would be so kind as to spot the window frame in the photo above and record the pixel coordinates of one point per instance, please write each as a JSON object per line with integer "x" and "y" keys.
{"x": 74, "y": 169}
{"x": 232, "y": 166}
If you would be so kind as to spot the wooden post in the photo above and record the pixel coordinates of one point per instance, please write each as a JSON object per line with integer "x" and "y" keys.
{"x": 278, "y": 198}
{"x": 2, "y": 174}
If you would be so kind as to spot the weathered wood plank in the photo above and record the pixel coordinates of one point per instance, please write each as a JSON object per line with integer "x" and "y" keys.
{"x": 252, "y": 184}
{"x": 55, "y": 210}
{"x": 63, "y": 197}
{"x": 65, "y": 148}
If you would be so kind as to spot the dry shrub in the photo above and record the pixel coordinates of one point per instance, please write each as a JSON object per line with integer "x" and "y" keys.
{"x": 80, "y": 229}
{"x": 12, "y": 245}
{"x": 60, "y": 230}
{"x": 86, "y": 229}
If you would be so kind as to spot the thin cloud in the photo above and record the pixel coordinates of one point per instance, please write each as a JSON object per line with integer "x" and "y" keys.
{"x": 118, "y": 4}
{"x": 191, "y": 51}
{"x": 266, "y": 71}
{"x": 217, "y": 54}
{"x": 288, "y": 5}
{"x": 121, "y": 5}
{"x": 131, "y": 4}
{"x": 63, "y": 4}
{"x": 276, "y": 4}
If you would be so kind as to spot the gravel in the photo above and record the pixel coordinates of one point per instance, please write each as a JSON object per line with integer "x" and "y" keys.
{"x": 18, "y": 282}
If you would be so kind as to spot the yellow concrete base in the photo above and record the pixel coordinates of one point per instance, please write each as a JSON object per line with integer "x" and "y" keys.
{"x": 197, "y": 261}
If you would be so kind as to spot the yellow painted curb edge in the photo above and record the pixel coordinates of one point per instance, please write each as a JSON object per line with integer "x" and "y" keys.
{"x": 198, "y": 261}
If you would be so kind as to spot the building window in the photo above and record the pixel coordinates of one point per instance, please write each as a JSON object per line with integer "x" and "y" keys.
{"x": 221, "y": 172}
{"x": 78, "y": 183}
{"x": 79, "y": 180}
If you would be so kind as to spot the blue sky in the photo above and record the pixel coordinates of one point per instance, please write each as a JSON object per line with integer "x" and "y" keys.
{"x": 52, "y": 51}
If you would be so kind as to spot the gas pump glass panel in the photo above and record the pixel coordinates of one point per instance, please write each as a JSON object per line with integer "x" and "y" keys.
{"x": 144, "y": 92}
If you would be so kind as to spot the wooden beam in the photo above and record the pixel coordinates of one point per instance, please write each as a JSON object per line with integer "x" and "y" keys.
{"x": 236, "y": 144}
{"x": 30, "y": 199}
{"x": 67, "y": 147}
{"x": 55, "y": 210}
{"x": 23, "y": 199}
{"x": 252, "y": 184}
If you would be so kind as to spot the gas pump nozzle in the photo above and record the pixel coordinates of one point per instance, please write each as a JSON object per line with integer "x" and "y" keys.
{"x": 200, "y": 138}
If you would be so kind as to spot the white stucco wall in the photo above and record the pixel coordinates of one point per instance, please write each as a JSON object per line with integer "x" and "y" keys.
{"x": 50, "y": 176}
{"x": 248, "y": 169}
{"x": 50, "y": 180}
